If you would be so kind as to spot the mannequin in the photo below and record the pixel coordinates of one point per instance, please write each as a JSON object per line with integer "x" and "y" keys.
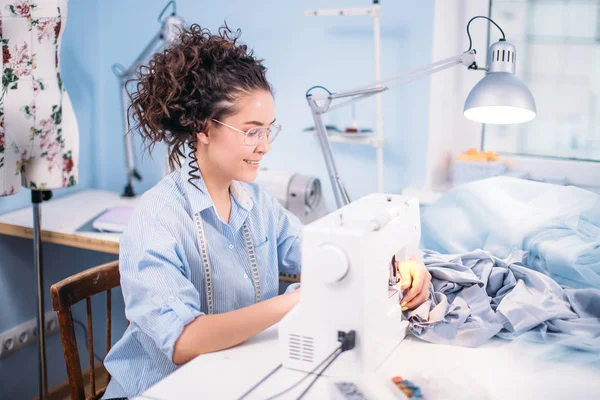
{"x": 34, "y": 100}
{"x": 39, "y": 139}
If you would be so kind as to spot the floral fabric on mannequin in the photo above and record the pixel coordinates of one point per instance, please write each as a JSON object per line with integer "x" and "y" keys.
{"x": 39, "y": 138}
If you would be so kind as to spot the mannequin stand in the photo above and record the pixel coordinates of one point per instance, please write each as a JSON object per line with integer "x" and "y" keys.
{"x": 37, "y": 197}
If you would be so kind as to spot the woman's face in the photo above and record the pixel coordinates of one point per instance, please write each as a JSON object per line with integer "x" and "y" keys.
{"x": 226, "y": 148}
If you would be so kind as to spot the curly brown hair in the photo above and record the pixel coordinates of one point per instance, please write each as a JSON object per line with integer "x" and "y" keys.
{"x": 197, "y": 78}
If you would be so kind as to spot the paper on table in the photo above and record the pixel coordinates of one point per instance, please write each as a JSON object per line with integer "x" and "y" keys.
{"x": 114, "y": 219}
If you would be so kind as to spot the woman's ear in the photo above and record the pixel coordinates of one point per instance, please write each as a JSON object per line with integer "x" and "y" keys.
{"x": 203, "y": 137}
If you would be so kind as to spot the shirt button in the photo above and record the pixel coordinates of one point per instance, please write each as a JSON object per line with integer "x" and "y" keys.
{"x": 171, "y": 299}
{"x": 246, "y": 276}
{"x": 230, "y": 246}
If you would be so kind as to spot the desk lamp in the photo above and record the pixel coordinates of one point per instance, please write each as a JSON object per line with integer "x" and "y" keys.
{"x": 498, "y": 98}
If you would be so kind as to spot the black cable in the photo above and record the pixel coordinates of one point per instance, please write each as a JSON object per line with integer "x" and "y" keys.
{"x": 348, "y": 340}
{"x": 307, "y": 374}
{"x": 348, "y": 343}
{"x": 259, "y": 382}
{"x": 318, "y": 376}
{"x": 489, "y": 19}
{"x": 79, "y": 323}
{"x": 317, "y": 87}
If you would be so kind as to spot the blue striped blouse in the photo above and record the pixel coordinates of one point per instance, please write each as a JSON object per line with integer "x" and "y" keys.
{"x": 162, "y": 274}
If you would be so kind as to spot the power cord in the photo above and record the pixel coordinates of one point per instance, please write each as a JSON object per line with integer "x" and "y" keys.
{"x": 318, "y": 376}
{"x": 348, "y": 343}
{"x": 337, "y": 350}
{"x": 348, "y": 340}
{"x": 489, "y": 19}
{"x": 81, "y": 325}
{"x": 260, "y": 382}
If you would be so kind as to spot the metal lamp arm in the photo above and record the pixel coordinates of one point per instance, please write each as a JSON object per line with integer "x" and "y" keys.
{"x": 341, "y": 196}
{"x": 467, "y": 59}
{"x": 155, "y": 45}
{"x": 123, "y": 76}
{"x": 158, "y": 42}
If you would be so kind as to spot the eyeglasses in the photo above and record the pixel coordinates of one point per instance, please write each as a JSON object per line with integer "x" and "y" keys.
{"x": 255, "y": 135}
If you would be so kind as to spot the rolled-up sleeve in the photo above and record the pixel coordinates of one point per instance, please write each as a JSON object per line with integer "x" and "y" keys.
{"x": 289, "y": 240}
{"x": 159, "y": 297}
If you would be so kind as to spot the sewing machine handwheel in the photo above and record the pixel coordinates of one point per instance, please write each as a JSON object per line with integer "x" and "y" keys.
{"x": 335, "y": 263}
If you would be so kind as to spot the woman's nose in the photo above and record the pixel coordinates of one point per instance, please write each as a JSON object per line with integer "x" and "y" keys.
{"x": 263, "y": 145}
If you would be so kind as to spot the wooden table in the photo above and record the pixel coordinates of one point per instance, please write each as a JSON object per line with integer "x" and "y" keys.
{"x": 63, "y": 216}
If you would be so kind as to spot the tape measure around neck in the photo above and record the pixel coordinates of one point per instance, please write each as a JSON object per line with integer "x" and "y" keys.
{"x": 207, "y": 267}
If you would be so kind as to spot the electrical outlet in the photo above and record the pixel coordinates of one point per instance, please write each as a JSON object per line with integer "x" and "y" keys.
{"x": 26, "y": 334}
{"x": 33, "y": 332}
{"x": 7, "y": 343}
{"x": 23, "y": 337}
{"x": 51, "y": 319}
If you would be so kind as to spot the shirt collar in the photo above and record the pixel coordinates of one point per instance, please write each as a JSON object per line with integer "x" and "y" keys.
{"x": 197, "y": 191}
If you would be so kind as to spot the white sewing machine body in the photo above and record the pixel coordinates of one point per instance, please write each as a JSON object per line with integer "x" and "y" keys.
{"x": 346, "y": 259}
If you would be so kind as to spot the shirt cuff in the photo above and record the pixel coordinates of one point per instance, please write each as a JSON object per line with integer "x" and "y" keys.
{"x": 176, "y": 316}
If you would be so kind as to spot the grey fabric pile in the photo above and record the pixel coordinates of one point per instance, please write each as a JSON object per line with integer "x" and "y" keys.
{"x": 476, "y": 296}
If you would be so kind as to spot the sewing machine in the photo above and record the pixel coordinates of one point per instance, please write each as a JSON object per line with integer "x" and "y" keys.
{"x": 348, "y": 283}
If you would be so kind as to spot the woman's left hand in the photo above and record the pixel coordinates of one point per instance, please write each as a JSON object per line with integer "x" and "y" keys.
{"x": 414, "y": 282}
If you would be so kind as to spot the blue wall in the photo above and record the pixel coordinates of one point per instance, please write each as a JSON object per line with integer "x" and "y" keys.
{"x": 299, "y": 51}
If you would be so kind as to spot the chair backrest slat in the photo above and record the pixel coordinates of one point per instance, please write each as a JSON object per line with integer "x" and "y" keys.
{"x": 108, "y": 326}
{"x": 69, "y": 342}
{"x": 68, "y": 292}
{"x": 90, "y": 340}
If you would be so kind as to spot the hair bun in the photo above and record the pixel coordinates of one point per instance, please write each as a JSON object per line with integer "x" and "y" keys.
{"x": 197, "y": 78}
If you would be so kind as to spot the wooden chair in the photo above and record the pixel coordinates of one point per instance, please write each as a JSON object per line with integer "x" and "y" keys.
{"x": 68, "y": 292}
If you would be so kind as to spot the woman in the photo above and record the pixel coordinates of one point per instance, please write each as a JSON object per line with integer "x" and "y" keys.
{"x": 201, "y": 257}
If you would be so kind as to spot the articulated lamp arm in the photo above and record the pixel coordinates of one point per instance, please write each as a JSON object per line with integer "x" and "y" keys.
{"x": 353, "y": 95}
{"x": 167, "y": 34}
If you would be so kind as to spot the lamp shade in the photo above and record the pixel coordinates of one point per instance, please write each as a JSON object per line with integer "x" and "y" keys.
{"x": 500, "y": 97}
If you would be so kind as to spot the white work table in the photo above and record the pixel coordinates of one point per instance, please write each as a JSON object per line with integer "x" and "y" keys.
{"x": 495, "y": 370}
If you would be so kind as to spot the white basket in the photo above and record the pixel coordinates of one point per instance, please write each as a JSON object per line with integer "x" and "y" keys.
{"x": 468, "y": 171}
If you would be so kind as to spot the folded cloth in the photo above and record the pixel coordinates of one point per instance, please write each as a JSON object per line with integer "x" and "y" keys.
{"x": 476, "y": 296}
